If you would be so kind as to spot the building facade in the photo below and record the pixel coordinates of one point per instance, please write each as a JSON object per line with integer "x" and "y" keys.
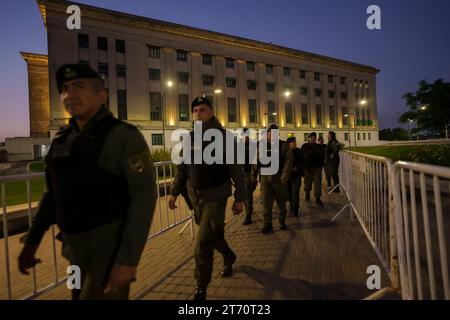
{"x": 38, "y": 93}
{"x": 251, "y": 83}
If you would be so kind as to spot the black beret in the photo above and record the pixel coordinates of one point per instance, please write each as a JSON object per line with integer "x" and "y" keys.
{"x": 291, "y": 139}
{"x": 69, "y": 72}
{"x": 272, "y": 126}
{"x": 312, "y": 134}
{"x": 200, "y": 100}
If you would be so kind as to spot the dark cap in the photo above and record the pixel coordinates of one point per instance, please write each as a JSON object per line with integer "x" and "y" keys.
{"x": 312, "y": 134}
{"x": 200, "y": 100}
{"x": 69, "y": 72}
{"x": 291, "y": 139}
{"x": 272, "y": 126}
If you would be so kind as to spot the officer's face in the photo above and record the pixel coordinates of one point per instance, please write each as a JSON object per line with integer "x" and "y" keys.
{"x": 82, "y": 97}
{"x": 203, "y": 113}
{"x": 293, "y": 144}
{"x": 312, "y": 139}
{"x": 329, "y": 137}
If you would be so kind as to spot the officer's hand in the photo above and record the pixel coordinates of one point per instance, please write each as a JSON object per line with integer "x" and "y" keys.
{"x": 238, "y": 207}
{"x": 27, "y": 259}
{"x": 119, "y": 277}
{"x": 172, "y": 202}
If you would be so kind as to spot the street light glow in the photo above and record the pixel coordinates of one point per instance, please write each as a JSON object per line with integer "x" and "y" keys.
{"x": 217, "y": 91}
{"x": 287, "y": 93}
{"x": 363, "y": 102}
{"x": 169, "y": 84}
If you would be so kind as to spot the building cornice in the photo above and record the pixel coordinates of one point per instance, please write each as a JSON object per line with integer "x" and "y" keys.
{"x": 60, "y": 6}
{"x": 30, "y": 57}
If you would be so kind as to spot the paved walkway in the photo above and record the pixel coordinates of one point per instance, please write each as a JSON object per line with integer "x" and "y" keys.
{"x": 314, "y": 259}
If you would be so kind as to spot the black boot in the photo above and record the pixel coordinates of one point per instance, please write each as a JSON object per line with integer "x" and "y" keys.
{"x": 267, "y": 228}
{"x": 283, "y": 226}
{"x": 200, "y": 295}
{"x": 248, "y": 220}
{"x": 228, "y": 264}
{"x": 319, "y": 202}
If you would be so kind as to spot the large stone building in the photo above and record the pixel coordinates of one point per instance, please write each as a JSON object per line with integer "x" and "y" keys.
{"x": 37, "y": 144}
{"x": 251, "y": 83}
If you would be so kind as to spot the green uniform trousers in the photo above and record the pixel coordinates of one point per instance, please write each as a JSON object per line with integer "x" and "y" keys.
{"x": 94, "y": 252}
{"x": 273, "y": 189}
{"x": 313, "y": 176}
{"x": 210, "y": 217}
{"x": 250, "y": 186}
{"x": 333, "y": 165}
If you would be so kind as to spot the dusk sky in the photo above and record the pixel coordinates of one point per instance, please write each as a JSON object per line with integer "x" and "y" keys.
{"x": 413, "y": 44}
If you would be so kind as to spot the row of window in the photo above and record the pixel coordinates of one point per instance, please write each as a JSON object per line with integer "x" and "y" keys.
{"x": 364, "y": 135}
{"x": 357, "y": 82}
{"x": 102, "y": 43}
{"x": 183, "y": 110}
{"x": 208, "y": 80}
{"x": 207, "y": 59}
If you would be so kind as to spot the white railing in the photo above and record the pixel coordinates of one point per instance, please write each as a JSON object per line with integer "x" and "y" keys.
{"x": 423, "y": 223}
{"x": 163, "y": 220}
{"x": 366, "y": 181}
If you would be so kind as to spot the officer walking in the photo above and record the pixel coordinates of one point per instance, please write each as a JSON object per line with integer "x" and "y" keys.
{"x": 274, "y": 187}
{"x": 314, "y": 161}
{"x": 100, "y": 190}
{"x": 333, "y": 160}
{"x": 251, "y": 178}
{"x": 295, "y": 180}
{"x": 209, "y": 186}
{"x": 326, "y": 169}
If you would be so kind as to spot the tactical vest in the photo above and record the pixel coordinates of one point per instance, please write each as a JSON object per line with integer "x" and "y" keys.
{"x": 206, "y": 176}
{"x": 85, "y": 195}
{"x": 277, "y": 153}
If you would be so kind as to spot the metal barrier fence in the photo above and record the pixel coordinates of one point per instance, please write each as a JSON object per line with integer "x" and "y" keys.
{"x": 367, "y": 183}
{"x": 422, "y": 197}
{"x": 163, "y": 220}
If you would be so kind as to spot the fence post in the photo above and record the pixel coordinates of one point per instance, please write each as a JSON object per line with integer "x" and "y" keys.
{"x": 393, "y": 259}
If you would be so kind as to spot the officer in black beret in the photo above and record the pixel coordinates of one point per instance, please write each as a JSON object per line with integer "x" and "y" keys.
{"x": 101, "y": 190}
{"x": 314, "y": 160}
{"x": 274, "y": 187}
{"x": 209, "y": 187}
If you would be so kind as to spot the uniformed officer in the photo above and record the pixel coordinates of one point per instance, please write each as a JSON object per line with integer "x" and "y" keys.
{"x": 209, "y": 186}
{"x": 313, "y": 164}
{"x": 295, "y": 179}
{"x": 326, "y": 169}
{"x": 101, "y": 190}
{"x": 251, "y": 178}
{"x": 333, "y": 149}
{"x": 274, "y": 187}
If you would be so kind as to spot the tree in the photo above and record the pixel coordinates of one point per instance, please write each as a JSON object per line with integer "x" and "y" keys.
{"x": 429, "y": 106}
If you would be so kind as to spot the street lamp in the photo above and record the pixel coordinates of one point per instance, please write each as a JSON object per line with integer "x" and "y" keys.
{"x": 347, "y": 115}
{"x": 409, "y": 128}
{"x": 169, "y": 84}
{"x": 360, "y": 102}
{"x": 422, "y": 107}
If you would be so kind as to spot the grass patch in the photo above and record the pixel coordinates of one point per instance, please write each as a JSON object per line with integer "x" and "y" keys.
{"x": 430, "y": 154}
{"x": 16, "y": 191}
